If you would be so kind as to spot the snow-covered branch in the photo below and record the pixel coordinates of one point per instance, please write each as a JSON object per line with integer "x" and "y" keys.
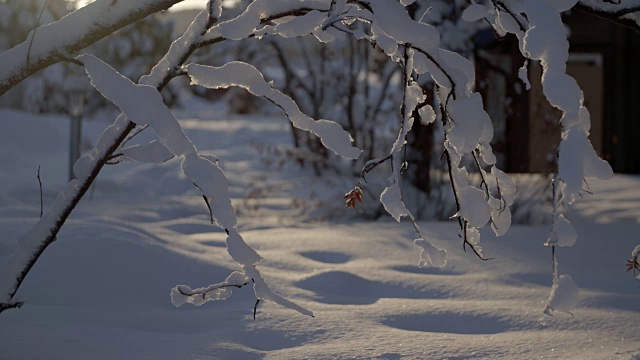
{"x": 182, "y": 294}
{"x": 43, "y": 234}
{"x": 203, "y": 173}
{"x": 60, "y": 40}
{"x": 542, "y": 36}
{"x": 246, "y": 76}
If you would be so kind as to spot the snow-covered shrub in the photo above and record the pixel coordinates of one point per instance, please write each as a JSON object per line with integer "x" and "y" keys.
{"x": 415, "y": 45}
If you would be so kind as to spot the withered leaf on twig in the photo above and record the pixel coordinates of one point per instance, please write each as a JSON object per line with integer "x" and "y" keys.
{"x": 353, "y": 196}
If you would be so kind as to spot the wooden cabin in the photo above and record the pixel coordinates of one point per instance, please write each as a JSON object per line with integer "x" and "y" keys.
{"x": 604, "y": 59}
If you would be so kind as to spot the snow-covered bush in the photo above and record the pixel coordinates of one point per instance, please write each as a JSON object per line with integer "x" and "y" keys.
{"x": 415, "y": 45}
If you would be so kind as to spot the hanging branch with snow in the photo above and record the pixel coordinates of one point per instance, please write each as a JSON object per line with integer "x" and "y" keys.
{"x": 542, "y": 36}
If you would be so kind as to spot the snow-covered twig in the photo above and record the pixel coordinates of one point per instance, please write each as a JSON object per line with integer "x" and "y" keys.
{"x": 544, "y": 39}
{"x": 183, "y": 294}
{"x": 33, "y": 32}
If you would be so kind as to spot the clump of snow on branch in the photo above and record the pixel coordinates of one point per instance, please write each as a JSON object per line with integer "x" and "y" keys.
{"x": 182, "y": 294}
{"x": 563, "y": 233}
{"x": 246, "y": 23}
{"x": 248, "y": 77}
{"x": 564, "y": 295}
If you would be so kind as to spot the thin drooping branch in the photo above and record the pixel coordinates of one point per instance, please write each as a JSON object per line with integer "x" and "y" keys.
{"x": 204, "y": 291}
{"x": 41, "y": 201}
{"x": 13, "y": 305}
{"x": 206, "y": 201}
{"x": 452, "y": 92}
{"x": 74, "y": 32}
{"x": 610, "y": 9}
{"x": 462, "y": 223}
{"x": 388, "y": 72}
{"x": 255, "y": 308}
{"x": 483, "y": 180}
{"x": 556, "y": 209}
{"x": 372, "y": 164}
{"x": 554, "y": 272}
{"x": 615, "y": 15}
{"x": 199, "y": 296}
{"x": 290, "y": 73}
{"x": 500, "y": 6}
{"x": 33, "y": 33}
{"x": 308, "y": 63}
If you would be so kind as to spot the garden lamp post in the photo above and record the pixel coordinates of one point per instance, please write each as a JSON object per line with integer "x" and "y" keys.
{"x": 76, "y": 88}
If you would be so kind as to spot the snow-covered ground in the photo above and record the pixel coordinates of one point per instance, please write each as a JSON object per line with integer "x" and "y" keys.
{"x": 101, "y": 291}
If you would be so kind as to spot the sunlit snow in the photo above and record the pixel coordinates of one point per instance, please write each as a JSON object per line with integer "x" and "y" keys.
{"x": 102, "y": 290}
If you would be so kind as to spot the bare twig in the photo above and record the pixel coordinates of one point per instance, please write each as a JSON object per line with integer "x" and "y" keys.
{"x": 554, "y": 271}
{"x": 613, "y": 11}
{"x": 472, "y": 246}
{"x": 40, "y": 183}
{"x": 500, "y": 6}
{"x": 482, "y": 177}
{"x": 462, "y": 223}
{"x": 372, "y": 164}
{"x": 206, "y": 201}
{"x": 11, "y": 305}
{"x": 255, "y": 308}
{"x": 406, "y": 80}
{"x": 134, "y": 134}
{"x": 35, "y": 29}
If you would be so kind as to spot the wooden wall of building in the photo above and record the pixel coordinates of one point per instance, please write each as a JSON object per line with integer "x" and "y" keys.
{"x": 605, "y": 60}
